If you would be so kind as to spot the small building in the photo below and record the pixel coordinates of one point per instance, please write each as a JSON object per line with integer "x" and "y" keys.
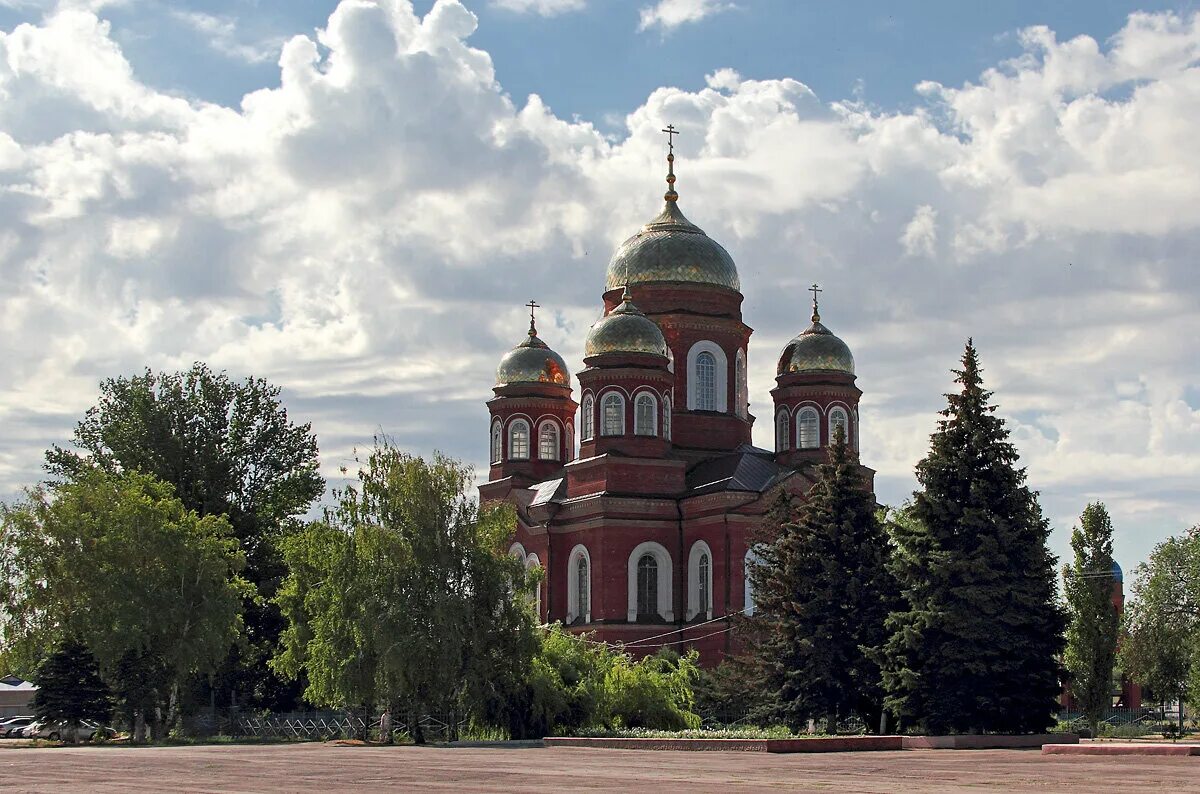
{"x": 16, "y": 696}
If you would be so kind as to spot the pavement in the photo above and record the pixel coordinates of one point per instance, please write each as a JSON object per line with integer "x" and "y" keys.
{"x": 332, "y": 767}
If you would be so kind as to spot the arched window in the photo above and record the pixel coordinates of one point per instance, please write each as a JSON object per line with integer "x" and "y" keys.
{"x": 783, "y": 432}
{"x": 699, "y": 582}
{"x": 589, "y": 418}
{"x": 518, "y": 440}
{"x": 647, "y": 587}
{"x": 667, "y": 416}
{"x": 837, "y": 419}
{"x": 612, "y": 420}
{"x": 548, "y": 441}
{"x": 748, "y": 563}
{"x": 740, "y": 389}
{"x": 570, "y": 443}
{"x": 706, "y": 382}
{"x": 579, "y": 586}
{"x": 534, "y": 566}
{"x": 644, "y": 409}
{"x": 857, "y": 437}
{"x": 497, "y": 454}
{"x": 808, "y": 428}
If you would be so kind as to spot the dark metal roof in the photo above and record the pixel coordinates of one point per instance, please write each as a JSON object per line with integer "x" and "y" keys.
{"x": 748, "y": 469}
{"x": 548, "y": 491}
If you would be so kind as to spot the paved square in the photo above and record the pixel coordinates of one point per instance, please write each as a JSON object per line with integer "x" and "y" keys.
{"x": 332, "y": 768}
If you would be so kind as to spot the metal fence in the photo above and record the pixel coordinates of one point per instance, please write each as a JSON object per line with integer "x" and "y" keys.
{"x": 317, "y": 726}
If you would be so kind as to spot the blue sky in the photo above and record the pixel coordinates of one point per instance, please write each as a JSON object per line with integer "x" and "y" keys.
{"x": 319, "y": 192}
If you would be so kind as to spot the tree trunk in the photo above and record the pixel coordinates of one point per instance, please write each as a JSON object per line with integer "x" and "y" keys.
{"x": 385, "y": 726}
{"x": 173, "y": 707}
{"x": 831, "y": 723}
{"x": 139, "y": 725}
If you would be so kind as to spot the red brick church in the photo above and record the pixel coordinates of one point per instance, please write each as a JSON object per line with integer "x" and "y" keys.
{"x": 636, "y": 495}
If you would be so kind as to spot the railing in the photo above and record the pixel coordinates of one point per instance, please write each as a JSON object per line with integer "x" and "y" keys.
{"x": 317, "y": 726}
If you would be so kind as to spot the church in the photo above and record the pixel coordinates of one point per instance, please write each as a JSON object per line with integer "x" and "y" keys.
{"x": 638, "y": 494}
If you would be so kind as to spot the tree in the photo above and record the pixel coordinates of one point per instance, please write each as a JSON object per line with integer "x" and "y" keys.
{"x": 1162, "y": 619}
{"x": 70, "y": 688}
{"x": 974, "y": 647}
{"x": 404, "y": 596}
{"x": 229, "y": 449}
{"x": 822, "y": 595}
{"x": 117, "y": 561}
{"x": 1092, "y": 628}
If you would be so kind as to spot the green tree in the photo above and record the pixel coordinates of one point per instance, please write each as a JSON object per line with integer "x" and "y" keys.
{"x": 117, "y": 561}
{"x": 974, "y": 647}
{"x": 822, "y": 594}
{"x": 404, "y": 597}
{"x": 229, "y": 449}
{"x": 1093, "y": 624}
{"x": 1162, "y": 620}
{"x": 70, "y": 688}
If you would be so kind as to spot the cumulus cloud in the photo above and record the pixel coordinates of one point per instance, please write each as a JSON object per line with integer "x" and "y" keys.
{"x": 221, "y": 34}
{"x": 334, "y": 234}
{"x": 670, "y": 14}
{"x": 546, "y": 8}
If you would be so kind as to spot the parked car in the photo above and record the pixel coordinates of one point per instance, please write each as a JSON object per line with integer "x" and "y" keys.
{"x": 87, "y": 730}
{"x": 12, "y": 726}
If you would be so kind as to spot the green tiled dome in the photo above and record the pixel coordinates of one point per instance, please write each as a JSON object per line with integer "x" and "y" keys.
{"x": 625, "y": 330}
{"x": 673, "y": 249}
{"x": 532, "y": 361}
{"x": 815, "y": 350}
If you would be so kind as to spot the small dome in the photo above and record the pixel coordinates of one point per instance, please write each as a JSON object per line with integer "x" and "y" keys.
{"x": 816, "y": 350}
{"x": 1117, "y": 574}
{"x": 532, "y": 361}
{"x": 625, "y": 330}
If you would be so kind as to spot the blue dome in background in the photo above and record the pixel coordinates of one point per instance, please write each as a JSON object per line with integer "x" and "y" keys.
{"x": 1118, "y": 576}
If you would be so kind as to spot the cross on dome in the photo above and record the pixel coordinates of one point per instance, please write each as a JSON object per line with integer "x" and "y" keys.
{"x": 532, "y": 305}
{"x": 816, "y": 315}
{"x": 671, "y": 132}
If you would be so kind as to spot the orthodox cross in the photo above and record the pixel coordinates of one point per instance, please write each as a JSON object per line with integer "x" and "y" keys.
{"x": 671, "y": 133}
{"x": 816, "y": 315}
{"x": 532, "y": 305}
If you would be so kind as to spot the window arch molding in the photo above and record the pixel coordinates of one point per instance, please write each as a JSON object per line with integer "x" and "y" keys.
{"x": 645, "y": 413}
{"x": 839, "y": 412}
{"x": 663, "y": 558}
{"x": 741, "y": 389}
{"x": 720, "y": 376}
{"x": 549, "y": 439}
{"x": 783, "y": 430}
{"x": 808, "y": 426}
{"x": 575, "y": 588}
{"x": 532, "y": 562}
{"x": 518, "y": 551}
{"x": 587, "y": 417}
{"x": 612, "y": 423}
{"x": 666, "y": 415}
{"x": 700, "y": 581}
{"x": 497, "y": 441}
{"x": 751, "y": 559}
{"x": 515, "y": 442}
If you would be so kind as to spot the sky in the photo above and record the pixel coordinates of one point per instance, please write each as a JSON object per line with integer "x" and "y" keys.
{"x": 353, "y": 200}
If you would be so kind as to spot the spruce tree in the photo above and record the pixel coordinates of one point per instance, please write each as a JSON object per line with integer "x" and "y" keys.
{"x": 823, "y": 593}
{"x": 974, "y": 648}
{"x": 1092, "y": 630}
{"x": 70, "y": 688}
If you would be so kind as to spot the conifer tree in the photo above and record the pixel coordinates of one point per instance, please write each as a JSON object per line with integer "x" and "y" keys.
{"x": 823, "y": 593}
{"x": 1092, "y": 630}
{"x": 70, "y": 688}
{"x": 974, "y": 648}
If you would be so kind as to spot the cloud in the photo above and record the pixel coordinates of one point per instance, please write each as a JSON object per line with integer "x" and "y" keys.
{"x": 221, "y": 34}
{"x": 545, "y": 8}
{"x": 364, "y": 234}
{"x": 670, "y": 14}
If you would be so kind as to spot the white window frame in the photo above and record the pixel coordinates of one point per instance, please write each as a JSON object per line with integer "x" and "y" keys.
{"x": 694, "y": 607}
{"x": 667, "y": 415}
{"x": 588, "y": 418}
{"x": 532, "y": 561}
{"x": 570, "y": 442}
{"x": 751, "y": 558}
{"x": 783, "y": 430}
{"x": 497, "y": 441}
{"x": 740, "y": 388}
{"x": 574, "y": 609}
{"x": 800, "y": 414}
{"x": 512, "y": 430}
{"x": 557, "y": 452}
{"x": 834, "y": 413}
{"x": 604, "y": 400}
{"x": 663, "y": 558}
{"x": 720, "y": 376}
{"x": 639, "y": 400}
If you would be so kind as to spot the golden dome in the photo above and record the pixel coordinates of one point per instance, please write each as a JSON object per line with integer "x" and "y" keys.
{"x": 532, "y": 361}
{"x": 625, "y": 330}
{"x": 672, "y": 248}
{"x": 816, "y": 349}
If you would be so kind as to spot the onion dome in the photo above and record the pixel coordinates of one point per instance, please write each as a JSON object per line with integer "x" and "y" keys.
{"x": 816, "y": 349}
{"x": 1117, "y": 574}
{"x": 671, "y": 248}
{"x": 625, "y": 330}
{"x": 532, "y": 361}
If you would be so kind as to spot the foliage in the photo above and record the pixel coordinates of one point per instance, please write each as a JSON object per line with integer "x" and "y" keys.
{"x": 1162, "y": 619}
{"x": 974, "y": 647}
{"x": 229, "y": 449}
{"x": 403, "y": 597}
{"x": 732, "y": 692}
{"x": 1092, "y": 628}
{"x": 822, "y": 595}
{"x": 117, "y": 561}
{"x": 70, "y": 687}
{"x": 750, "y": 732}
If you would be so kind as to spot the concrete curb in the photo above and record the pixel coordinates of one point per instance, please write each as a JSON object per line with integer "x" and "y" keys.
{"x": 830, "y": 744}
{"x": 1121, "y": 749}
{"x": 987, "y": 742}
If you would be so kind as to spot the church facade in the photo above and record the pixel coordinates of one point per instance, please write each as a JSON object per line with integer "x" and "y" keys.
{"x": 636, "y": 486}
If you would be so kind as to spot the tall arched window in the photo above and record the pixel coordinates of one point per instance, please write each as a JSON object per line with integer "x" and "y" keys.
{"x": 808, "y": 426}
{"x": 612, "y": 410}
{"x": 548, "y": 441}
{"x": 518, "y": 440}
{"x": 589, "y": 418}
{"x": 644, "y": 409}
{"x": 667, "y": 416}
{"x": 647, "y": 587}
{"x": 497, "y": 454}
{"x": 706, "y": 382}
{"x": 837, "y": 419}
{"x": 857, "y": 425}
{"x": 579, "y": 585}
{"x": 533, "y": 566}
{"x": 704, "y": 571}
{"x": 570, "y": 443}
{"x": 740, "y": 389}
{"x": 748, "y": 563}
{"x": 783, "y": 431}
{"x": 699, "y": 600}
{"x": 581, "y": 588}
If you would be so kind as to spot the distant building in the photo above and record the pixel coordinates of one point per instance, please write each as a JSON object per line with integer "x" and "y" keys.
{"x": 643, "y": 535}
{"x": 16, "y": 696}
{"x": 1127, "y": 694}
